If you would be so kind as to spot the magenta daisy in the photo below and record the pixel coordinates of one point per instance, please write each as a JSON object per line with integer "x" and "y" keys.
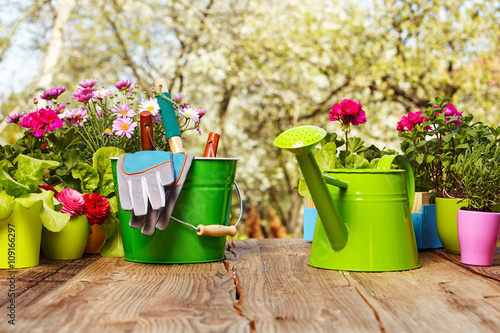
{"x": 53, "y": 93}
{"x": 124, "y": 127}
{"x": 88, "y": 83}
{"x": 123, "y": 84}
{"x": 124, "y": 111}
{"x": 14, "y": 118}
{"x": 178, "y": 97}
{"x": 107, "y": 132}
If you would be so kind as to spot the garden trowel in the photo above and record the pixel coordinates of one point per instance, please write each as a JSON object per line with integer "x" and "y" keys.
{"x": 150, "y": 181}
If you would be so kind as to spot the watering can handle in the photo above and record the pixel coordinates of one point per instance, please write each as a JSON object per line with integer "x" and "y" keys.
{"x": 385, "y": 164}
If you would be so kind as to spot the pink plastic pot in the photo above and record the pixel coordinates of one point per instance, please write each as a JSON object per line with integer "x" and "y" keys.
{"x": 478, "y": 234}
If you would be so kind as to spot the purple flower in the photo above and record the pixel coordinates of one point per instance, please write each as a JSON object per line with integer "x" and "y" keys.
{"x": 53, "y": 93}
{"x": 83, "y": 95}
{"x": 178, "y": 97}
{"x": 123, "y": 84}
{"x": 201, "y": 112}
{"x": 88, "y": 83}
{"x": 124, "y": 126}
{"x": 15, "y": 118}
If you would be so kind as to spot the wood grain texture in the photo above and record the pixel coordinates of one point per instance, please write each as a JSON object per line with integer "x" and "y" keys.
{"x": 263, "y": 285}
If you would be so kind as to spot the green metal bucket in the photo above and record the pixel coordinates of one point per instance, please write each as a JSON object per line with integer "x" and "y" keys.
{"x": 205, "y": 199}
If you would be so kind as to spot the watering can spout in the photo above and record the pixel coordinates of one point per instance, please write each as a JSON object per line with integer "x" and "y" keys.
{"x": 300, "y": 141}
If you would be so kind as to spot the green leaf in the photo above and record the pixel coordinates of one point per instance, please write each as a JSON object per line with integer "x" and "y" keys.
{"x": 102, "y": 164}
{"x": 327, "y": 156}
{"x": 356, "y": 162}
{"x": 303, "y": 189}
{"x": 355, "y": 144}
{"x": 419, "y": 158}
{"x": 6, "y": 205}
{"x": 88, "y": 176}
{"x": 114, "y": 243}
{"x": 410, "y": 149}
{"x": 9, "y": 184}
{"x": 30, "y": 170}
{"x": 52, "y": 220}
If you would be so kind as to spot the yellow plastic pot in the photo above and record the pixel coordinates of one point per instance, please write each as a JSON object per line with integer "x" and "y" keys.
{"x": 68, "y": 243}
{"x": 20, "y": 238}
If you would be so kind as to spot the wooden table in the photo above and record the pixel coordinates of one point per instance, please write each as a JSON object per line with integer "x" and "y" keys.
{"x": 263, "y": 285}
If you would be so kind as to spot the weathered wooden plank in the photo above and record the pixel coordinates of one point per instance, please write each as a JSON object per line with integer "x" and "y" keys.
{"x": 194, "y": 298}
{"x": 280, "y": 292}
{"x": 106, "y": 295}
{"x": 486, "y": 271}
{"x": 33, "y": 282}
{"x": 438, "y": 297}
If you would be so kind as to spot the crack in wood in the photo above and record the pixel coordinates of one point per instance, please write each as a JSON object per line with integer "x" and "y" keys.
{"x": 237, "y": 296}
{"x": 375, "y": 313}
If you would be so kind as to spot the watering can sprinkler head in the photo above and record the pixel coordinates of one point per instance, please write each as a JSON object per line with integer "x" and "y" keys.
{"x": 300, "y": 141}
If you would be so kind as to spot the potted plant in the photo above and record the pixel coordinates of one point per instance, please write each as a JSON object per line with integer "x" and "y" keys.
{"x": 85, "y": 210}
{"x": 330, "y": 155}
{"x": 81, "y": 135}
{"x": 24, "y": 208}
{"x": 478, "y": 172}
{"x": 432, "y": 141}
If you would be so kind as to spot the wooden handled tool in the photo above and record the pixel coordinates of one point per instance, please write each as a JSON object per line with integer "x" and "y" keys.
{"x": 168, "y": 117}
{"x": 215, "y": 230}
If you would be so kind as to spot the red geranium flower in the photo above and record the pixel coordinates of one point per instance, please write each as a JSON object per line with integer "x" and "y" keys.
{"x": 96, "y": 208}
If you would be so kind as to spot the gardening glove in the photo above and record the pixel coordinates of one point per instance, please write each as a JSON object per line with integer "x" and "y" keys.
{"x": 141, "y": 180}
{"x": 182, "y": 164}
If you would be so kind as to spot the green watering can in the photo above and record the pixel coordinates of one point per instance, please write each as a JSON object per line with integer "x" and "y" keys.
{"x": 364, "y": 215}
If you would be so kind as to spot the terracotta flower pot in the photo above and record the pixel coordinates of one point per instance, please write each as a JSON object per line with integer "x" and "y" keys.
{"x": 478, "y": 234}
{"x": 68, "y": 243}
{"x": 95, "y": 240}
{"x": 446, "y": 222}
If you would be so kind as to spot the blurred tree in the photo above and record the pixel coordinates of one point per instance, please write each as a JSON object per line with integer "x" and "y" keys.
{"x": 263, "y": 66}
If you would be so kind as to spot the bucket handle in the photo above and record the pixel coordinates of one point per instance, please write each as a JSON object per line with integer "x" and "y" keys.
{"x": 385, "y": 163}
{"x": 216, "y": 229}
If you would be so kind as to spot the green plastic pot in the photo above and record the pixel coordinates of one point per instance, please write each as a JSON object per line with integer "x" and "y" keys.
{"x": 205, "y": 199}
{"x": 20, "y": 246}
{"x": 446, "y": 222}
{"x": 69, "y": 243}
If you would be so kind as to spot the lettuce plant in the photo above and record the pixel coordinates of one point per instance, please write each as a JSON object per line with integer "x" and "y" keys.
{"x": 19, "y": 183}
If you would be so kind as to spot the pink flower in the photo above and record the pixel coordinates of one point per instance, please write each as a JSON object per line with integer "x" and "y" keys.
{"x": 101, "y": 94}
{"x": 124, "y": 111}
{"x": 41, "y": 121}
{"x": 450, "y": 111}
{"x": 407, "y": 123}
{"x": 72, "y": 201}
{"x": 124, "y": 126}
{"x": 83, "y": 95}
{"x": 178, "y": 97}
{"x": 75, "y": 116}
{"x": 88, "y": 83}
{"x": 201, "y": 112}
{"x": 348, "y": 112}
{"x": 53, "y": 93}
{"x": 15, "y": 118}
{"x": 123, "y": 84}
